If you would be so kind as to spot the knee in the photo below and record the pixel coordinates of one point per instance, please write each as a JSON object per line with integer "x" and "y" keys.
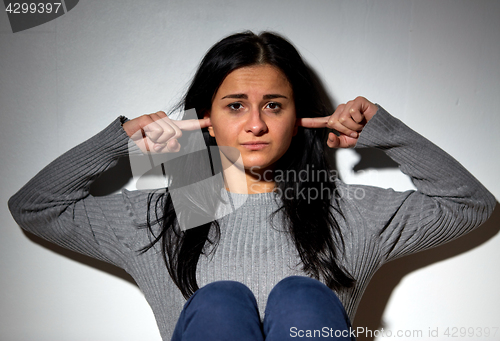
{"x": 295, "y": 282}
{"x": 223, "y": 310}
{"x": 303, "y": 290}
{"x": 305, "y": 303}
{"x": 294, "y": 285}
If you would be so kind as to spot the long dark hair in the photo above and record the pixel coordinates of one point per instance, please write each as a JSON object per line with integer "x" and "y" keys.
{"x": 309, "y": 221}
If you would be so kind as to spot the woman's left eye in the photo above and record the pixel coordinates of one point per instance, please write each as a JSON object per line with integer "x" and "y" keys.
{"x": 274, "y": 106}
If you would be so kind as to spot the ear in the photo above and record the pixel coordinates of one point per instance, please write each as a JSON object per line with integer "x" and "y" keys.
{"x": 210, "y": 129}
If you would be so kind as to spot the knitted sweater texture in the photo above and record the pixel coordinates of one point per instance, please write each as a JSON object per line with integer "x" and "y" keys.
{"x": 377, "y": 225}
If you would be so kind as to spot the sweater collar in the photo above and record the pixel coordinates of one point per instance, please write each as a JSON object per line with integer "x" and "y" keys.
{"x": 259, "y": 199}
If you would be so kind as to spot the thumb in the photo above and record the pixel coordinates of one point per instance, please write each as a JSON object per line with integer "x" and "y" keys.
{"x": 341, "y": 141}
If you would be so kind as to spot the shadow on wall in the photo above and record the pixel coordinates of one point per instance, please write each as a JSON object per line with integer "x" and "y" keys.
{"x": 376, "y": 296}
{"x": 109, "y": 182}
{"x": 86, "y": 260}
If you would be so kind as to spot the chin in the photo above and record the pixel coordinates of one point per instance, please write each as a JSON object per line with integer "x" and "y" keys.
{"x": 257, "y": 166}
{"x": 262, "y": 162}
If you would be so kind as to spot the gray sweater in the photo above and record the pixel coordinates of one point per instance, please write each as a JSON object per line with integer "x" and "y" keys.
{"x": 377, "y": 225}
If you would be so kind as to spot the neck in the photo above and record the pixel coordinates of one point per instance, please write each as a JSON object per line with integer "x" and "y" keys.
{"x": 261, "y": 181}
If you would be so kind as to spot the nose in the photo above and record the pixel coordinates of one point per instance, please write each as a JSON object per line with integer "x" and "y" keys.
{"x": 255, "y": 124}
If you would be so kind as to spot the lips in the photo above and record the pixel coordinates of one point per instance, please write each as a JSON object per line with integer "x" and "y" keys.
{"x": 255, "y": 145}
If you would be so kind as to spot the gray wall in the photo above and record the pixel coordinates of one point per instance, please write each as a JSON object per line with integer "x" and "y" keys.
{"x": 433, "y": 64}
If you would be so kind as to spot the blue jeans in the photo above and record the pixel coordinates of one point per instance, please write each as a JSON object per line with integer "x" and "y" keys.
{"x": 297, "y": 308}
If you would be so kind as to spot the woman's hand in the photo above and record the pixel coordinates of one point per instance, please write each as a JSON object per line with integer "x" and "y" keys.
{"x": 158, "y": 133}
{"x": 348, "y": 120}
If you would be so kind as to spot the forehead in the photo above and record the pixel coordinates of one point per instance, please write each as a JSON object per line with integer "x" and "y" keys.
{"x": 255, "y": 79}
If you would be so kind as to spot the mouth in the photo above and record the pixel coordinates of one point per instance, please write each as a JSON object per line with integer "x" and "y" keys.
{"x": 256, "y": 145}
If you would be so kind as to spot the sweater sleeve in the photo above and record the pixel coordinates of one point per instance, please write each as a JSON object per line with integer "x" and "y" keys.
{"x": 56, "y": 204}
{"x": 448, "y": 202}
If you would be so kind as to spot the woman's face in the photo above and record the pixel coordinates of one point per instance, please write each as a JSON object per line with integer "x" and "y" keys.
{"x": 254, "y": 112}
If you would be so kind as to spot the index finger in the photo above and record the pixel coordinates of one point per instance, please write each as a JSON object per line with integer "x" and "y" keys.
{"x": 313, "y": 122}
{"x": 194, "y": 124}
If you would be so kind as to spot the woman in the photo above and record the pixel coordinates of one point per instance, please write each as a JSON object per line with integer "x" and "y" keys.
{"x": 256, "y": 100}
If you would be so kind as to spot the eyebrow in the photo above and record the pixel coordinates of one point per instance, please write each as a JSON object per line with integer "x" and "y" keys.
{"x": 269, "y": 96}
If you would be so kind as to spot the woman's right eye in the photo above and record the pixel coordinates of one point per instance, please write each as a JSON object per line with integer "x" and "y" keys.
{"x": 235, "y": 106}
